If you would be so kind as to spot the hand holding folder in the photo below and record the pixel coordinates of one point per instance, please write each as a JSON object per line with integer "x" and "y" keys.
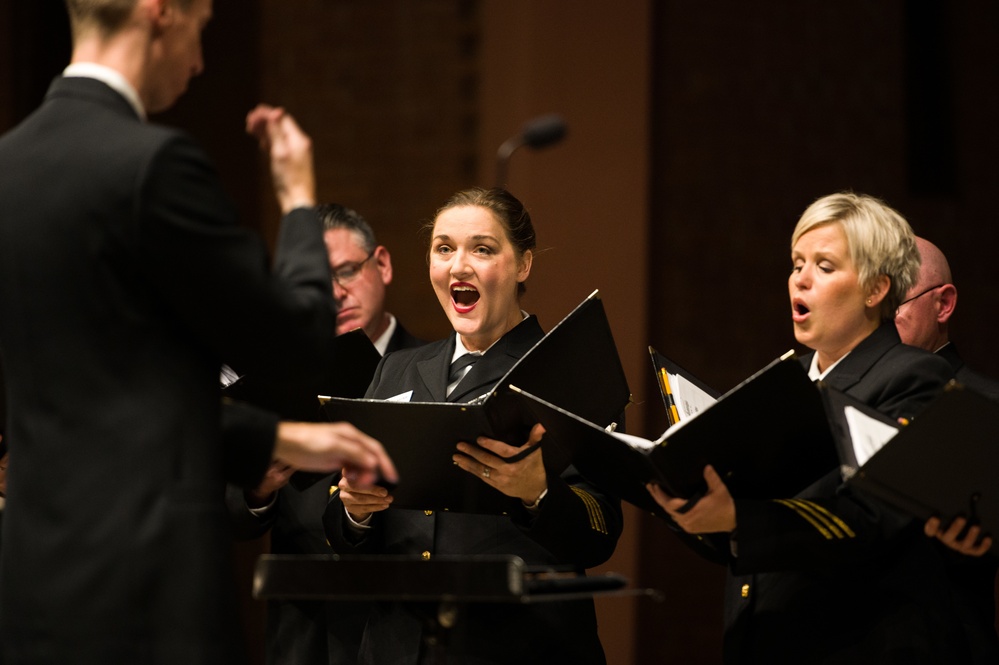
{"x": 960, "y": 536}
{"x": 421, "y": 436}
{"x": 941, "y": 465}
{"x": 767, "y": 437}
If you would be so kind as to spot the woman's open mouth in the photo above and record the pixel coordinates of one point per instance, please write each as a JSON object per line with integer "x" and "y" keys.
{"x": 799, "y": 311}
{"x": 464, "y": 296}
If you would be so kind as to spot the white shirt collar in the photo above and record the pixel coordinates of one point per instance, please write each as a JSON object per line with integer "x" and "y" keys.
{"x": 383, "y": 341}
{"x": 813, "y": 372}
{"x": 112, "y": 77}
{"x": 460, "y": 350}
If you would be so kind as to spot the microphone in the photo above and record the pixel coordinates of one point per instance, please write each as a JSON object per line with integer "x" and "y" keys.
{"x": 539, "y": 132}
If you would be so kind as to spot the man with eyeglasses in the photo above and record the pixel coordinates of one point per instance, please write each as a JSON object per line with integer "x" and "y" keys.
{"x": 311, "y": 632}
{"x": 362, "y": 270}
{"x": 922, "y": 320}
{"x": 924, "y": 316}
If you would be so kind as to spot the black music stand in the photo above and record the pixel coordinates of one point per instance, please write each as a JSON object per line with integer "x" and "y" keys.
{"x": 445, "y": 583}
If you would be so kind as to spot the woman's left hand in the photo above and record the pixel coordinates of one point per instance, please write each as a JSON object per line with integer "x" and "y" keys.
{"x": 524, "y": 479}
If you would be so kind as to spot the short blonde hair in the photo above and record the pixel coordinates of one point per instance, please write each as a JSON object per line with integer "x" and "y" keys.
{"x": 878, "y": 238}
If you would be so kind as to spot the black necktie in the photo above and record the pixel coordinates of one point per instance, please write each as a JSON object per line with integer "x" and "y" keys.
{"x": 458, "y": 366}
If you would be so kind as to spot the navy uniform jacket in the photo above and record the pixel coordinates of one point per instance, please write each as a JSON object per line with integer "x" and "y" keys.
{"x": 402, "y": 339}
{"x": 577, "y": 525}
{"x": 125, "y": 281}
{"x": 966, "y": 375}
{"x": 830, "y": 577}
{"x": 305, "y": 632}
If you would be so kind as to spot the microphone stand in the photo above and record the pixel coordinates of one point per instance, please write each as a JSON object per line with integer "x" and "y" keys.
{"x": 538, "y": 132}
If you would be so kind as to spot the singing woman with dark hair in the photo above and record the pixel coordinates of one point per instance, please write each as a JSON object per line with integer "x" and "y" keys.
{"x": 482, "y": 246}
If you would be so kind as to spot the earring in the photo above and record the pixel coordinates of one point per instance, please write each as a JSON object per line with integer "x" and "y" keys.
{"x": 868, "y": 301}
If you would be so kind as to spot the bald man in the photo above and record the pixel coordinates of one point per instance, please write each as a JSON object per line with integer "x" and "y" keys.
{"x": 923, "y": 317}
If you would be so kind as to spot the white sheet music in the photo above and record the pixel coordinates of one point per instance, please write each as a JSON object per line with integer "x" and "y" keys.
{"x": 867, "y": 434}
{"x": 690, "y": 400}
{"x": 401, "y": 397}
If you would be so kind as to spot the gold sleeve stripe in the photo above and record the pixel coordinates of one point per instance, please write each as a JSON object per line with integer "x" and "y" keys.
{"x": 812, "y": 509}
{"x": 830, "y": 517}
{"x": 808, "y": 518}
{"x": 596, "y": 515}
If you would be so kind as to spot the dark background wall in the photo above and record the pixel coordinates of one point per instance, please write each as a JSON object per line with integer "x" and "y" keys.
{"x": 698, "y": 133}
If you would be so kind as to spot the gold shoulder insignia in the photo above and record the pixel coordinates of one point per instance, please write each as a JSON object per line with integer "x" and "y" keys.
{"x": 597, "y": 522}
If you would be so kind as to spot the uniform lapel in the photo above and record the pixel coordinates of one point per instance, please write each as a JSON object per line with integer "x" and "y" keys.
{"x": 497, "y": 361}
{"x": 486, "y": 371}
{"x": 433, "y": 372}
{"x": 864, "y": 356}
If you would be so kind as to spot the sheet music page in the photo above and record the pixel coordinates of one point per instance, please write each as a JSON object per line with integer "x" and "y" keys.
{"x": 867, "y": 434}
{"x": 690, "y": 400}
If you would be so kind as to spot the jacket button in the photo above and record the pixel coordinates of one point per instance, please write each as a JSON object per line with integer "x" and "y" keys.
{"x": 745, "y": 590}
{"x": 428, "y": 513}
{"x": 426, "y": 555}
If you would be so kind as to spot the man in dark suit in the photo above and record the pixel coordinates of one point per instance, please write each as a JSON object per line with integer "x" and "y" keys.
{"x": 306, "y": 632}
{"x": 125, "y": 282}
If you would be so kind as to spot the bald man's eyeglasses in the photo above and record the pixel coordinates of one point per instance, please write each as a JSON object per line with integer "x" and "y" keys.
{"x": 920, "y": 294}
{"x": 348, "y": 272}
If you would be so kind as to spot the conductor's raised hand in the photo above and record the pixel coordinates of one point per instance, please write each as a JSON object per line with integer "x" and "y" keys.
{"x": 712, "y": 513}
{"x": 524, "y": 479}
{"x": 329, "y": 447}
{"x": 290, "y": 152}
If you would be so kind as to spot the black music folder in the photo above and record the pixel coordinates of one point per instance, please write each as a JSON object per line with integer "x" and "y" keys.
{"x": 767, "y": 437}
{"x": 576, "y": 365}
{"x": 353, "y": 362}
{"x": 943, "y": 464}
